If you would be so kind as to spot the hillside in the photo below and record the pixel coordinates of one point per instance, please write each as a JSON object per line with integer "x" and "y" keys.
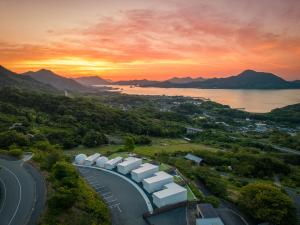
{"x": 55, "y": 80}
{"x": 91, "y": 80}
{"x": 184, "y": 80}
{"x": 143, "y": 82}
{"x": 249, "y": 79}
{"x": 11, "y": 79}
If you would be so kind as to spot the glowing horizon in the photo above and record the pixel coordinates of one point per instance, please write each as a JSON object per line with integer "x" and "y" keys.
{"x": 137, "y": 39}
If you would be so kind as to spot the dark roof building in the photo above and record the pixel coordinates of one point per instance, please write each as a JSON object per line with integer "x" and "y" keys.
{"x": 193, "y": 158}
{"x": 208, "y": 215}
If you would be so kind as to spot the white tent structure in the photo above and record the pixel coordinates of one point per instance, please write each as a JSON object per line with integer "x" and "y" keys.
{"x": 146, "y": 170}
{"x": 100, "y": 162}
{"x": 111, "y": 164}
{"x": 91, "y": 159}
{"x": 129, "y": 164}
{"x": 79, "y": 159}
{"x": 156, "y": 182}
{"x": 171, "y": 194}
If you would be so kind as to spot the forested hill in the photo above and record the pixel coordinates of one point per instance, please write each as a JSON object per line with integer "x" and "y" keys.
{"x": 66, "y": 121}
{"x": 289, "y": 113}
{"x": 11, "y": 79}
{"x": 55, "y": 80}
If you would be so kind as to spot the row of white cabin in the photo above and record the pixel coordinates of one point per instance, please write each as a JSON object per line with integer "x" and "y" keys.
{"x": 165, "y": 191}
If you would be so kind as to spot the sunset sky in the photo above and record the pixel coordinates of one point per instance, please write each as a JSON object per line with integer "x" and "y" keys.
{"x": 153, "y": 39}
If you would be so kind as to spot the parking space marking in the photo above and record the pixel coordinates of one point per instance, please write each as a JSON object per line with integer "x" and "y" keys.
{"x": 104, "y": 191}
{"x": 114, "y": 200}
{"x": 116, "y": 206}
{"x": 108, "y": 197}
{"x": 96, "y": 187}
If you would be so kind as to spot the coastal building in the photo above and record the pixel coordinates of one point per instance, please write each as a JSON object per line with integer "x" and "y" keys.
{"x": 157, "y": 182}
{"x": 171, "y": 194}
{"x": 91, "y": 159}
{"x": 146, "y": 170}
{"x": 79, "y": 159}
{"x": 197, "y": 160}
{"x": 111, "y": 164}
{"x": 192, "y": 130}
{"x": 129, "y": 164}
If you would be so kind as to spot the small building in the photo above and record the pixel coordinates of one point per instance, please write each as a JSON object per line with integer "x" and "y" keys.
{"x": 129, "y": 164}
{"x": 157, "y": 182}
{"x": 194, "y": 158}
{"x": 207, "y": 215}
{"x": 192, "y": 130}
{"x": 111, "y": 164}
{"x": 91, "y": 159}
{"x": 79, "y": 159}
{"x": 100, "y": 162}
{"x": 146, "y": 170}
{"x": 261, "y": 127}
{"x": 206, "y": 210}
{"x": 171, "y": 194}
{"x": 209, "y": 221}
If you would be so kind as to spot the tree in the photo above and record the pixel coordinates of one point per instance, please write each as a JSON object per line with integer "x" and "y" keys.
{"x": 129, "y": 144}
{"x": 267, "y": 203}
{"x": 94, "y": 138}
{"x": 11, "y": 137}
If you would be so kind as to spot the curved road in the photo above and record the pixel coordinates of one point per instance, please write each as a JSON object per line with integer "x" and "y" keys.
{"x": 19, "y": 193}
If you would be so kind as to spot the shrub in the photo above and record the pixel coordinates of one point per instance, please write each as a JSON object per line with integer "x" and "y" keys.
{"x": 16, "y": 152}
{"x": 212, "y": 200}
{"x": 268, "y": 203}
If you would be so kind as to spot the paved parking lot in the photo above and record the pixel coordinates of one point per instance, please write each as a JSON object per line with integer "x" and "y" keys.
{"x": 103, "y": 190}
{"x": 125, "y": 202}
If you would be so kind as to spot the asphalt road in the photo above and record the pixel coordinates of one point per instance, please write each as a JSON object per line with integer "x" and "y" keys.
{"x": 19, "y": 195}
{"x": 126, "y": 204}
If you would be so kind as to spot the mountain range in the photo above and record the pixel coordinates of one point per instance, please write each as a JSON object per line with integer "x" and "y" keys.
{"x": 92, "y": 80}
{"x": 50, "y": 81}
{"x": 11, "y": 79}
{"x": 248, "y": 79}
{"x": 55, "y": 80}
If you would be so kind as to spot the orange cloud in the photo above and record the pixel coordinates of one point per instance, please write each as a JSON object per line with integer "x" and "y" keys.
{"x": 156, "y": 44}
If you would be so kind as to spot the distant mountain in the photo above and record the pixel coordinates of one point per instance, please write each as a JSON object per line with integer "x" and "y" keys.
{"x": 92, "y": 80}
{"x": 249, "y": 79}
{"x": 183, "y": 80}
{"x": 143, "y": 82}
{"x": 11, "y": 79}
{"x": 55, "y": 80}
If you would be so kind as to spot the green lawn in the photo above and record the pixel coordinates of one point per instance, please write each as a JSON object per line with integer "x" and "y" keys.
{"x": 158, "y": 145}
{"x": 190, "y": 194}
{"x": 164, "y": 167}
{"x": 169, "y": 146}
{"x": 106, "y": 150}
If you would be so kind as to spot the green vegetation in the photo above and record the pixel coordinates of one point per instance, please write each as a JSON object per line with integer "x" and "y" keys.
{"x": 236, "y": 157}
{"x": 267, "y": 203}
{"x": 70, "y": 199}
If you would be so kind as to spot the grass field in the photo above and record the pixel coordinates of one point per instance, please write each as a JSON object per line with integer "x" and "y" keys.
{"x": 169, "y": 146}
{"x": 158, "y": 145}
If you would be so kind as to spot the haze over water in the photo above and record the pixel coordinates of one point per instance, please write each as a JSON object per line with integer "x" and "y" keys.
{"x": 251, "y": 100}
